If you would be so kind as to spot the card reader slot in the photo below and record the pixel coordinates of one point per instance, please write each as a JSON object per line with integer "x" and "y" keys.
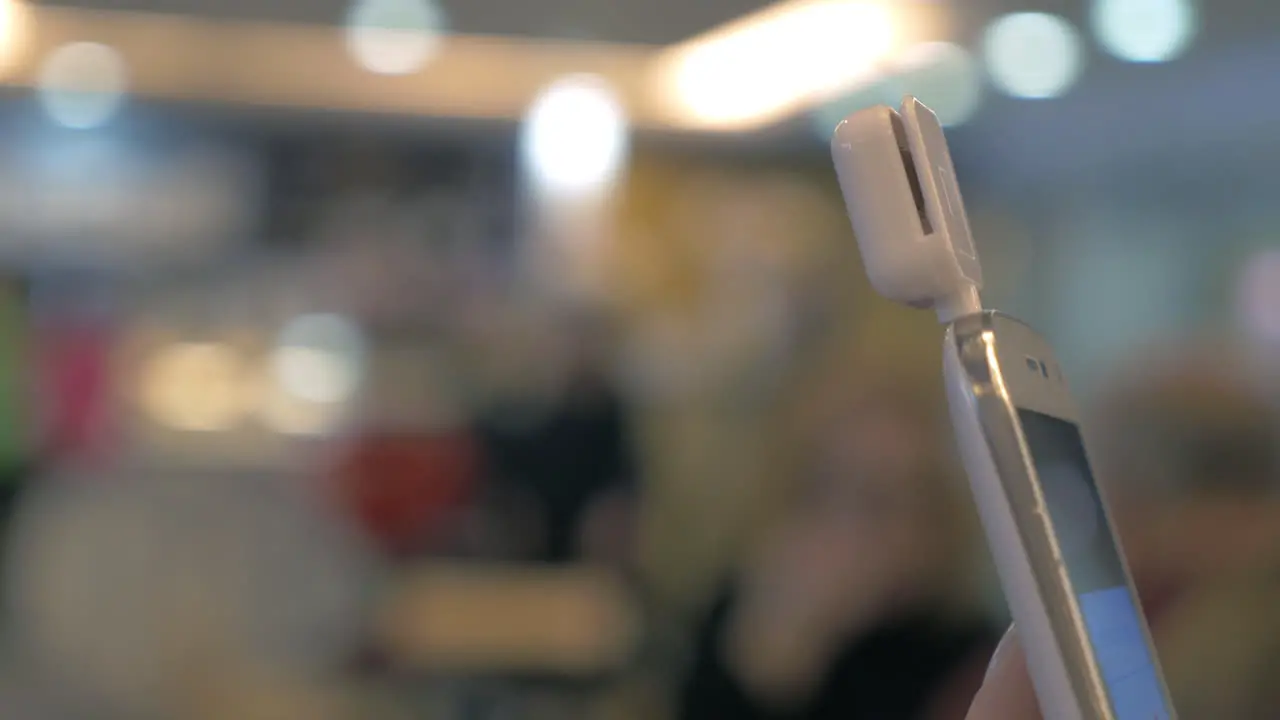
{"x": 913, "y": 177}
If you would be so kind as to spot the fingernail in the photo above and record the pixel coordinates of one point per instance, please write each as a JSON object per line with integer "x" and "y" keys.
{"x": 1001, "y": 650}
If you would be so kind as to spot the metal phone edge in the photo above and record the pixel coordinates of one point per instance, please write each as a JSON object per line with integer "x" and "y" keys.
{"x": 1015, "y": 471}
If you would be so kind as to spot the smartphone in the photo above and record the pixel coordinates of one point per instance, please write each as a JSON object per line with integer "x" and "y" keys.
{"x": 1061, "y": 566}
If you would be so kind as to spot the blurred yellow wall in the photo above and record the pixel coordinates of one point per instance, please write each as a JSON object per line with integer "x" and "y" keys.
{"x": 714, "y": 462}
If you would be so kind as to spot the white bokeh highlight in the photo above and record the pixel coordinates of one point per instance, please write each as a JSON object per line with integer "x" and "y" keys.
{"x": 1033, "y": 55}
{"x": 394, "y": 37}
{"x": 1145, "y": 31}
{"x": 319, "y": 359}
{"x": 82, "y": 85}
{"x": 575, "y": 139}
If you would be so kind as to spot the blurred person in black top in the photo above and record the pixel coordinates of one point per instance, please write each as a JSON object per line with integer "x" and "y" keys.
{"x": 570, "y": 455}
{"x": 863, "y": 604}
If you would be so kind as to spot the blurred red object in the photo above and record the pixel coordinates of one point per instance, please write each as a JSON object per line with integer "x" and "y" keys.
{"x": 408, "y": 490}
{"x": 74, "y": 360}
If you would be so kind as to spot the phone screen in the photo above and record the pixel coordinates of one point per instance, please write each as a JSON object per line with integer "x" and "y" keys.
{"x": 1111, "y": 617}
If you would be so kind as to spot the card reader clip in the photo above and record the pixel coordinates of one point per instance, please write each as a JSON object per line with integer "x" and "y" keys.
{"x": 900, "y": 189}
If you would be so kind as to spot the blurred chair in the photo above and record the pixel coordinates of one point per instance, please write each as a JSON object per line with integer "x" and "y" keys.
{"x": 154, "y": 595}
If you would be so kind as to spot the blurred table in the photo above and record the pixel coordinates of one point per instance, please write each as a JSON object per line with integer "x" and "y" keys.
{"x": 460, "y": 618}
{"x": 514, "y": 642}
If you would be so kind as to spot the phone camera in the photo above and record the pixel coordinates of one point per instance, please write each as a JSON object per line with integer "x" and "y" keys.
{"x": 1037, "y": 366}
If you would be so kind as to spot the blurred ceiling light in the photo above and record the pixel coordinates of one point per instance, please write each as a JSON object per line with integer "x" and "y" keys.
{"x": 319, "y": 359}
{"x": 1145, "y": 31}
{"x": 1258, "y": 296}
{"x": 776, "y": 62}
{"x": 13, "y": 29}
{"x": 945, "y": 77}
{"x": 194, "y": 387}
{"x": 394, "y": 37}
{"x": 575, "y": 137}
{"x": 8, "y": 21}
{"x": 82, "y": 85}
{"x": 1033, "y": 55}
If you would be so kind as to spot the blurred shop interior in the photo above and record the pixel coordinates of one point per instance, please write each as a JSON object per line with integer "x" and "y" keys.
{"x": 461, "y": 349}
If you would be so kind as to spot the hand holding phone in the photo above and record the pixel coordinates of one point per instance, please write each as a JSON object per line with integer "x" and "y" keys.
{"x": 1086, "y": 644}
{"x": 1006, "y": 690}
